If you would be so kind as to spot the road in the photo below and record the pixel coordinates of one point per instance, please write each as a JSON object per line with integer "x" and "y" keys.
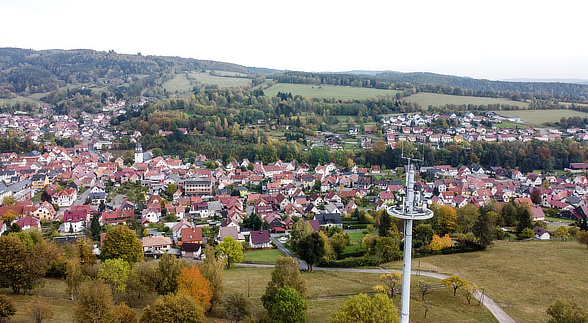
{"x": 301, "y": 263}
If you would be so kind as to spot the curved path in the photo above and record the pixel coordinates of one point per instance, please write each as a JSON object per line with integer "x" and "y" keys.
{"x": 489, "y": 303}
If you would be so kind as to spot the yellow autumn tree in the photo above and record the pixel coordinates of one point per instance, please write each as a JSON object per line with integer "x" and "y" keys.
{"x": 439, "y": 243}
{"x": 192, "y": 283}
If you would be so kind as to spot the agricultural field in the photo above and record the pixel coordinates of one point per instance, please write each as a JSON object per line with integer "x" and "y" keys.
{"x": 433, "y": 99}
{"x": 524, "y": 278}
{"x": 327, "y": 91}
{"x": 539, "y": 117}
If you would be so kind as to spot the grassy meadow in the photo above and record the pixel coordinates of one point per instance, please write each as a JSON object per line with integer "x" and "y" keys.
{"x": 327, "y": 91}
{"x": 328, "y": 290}
{"x": 434, "y": 99}
{"x": 524, "y": 278}
{"x": 221, "y": 81}
{"x": 539, "y": 117}
{"x": 182, "y": 82}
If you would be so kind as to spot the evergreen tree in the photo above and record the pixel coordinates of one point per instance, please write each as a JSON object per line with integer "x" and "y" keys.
{"x": 583, "y": 223}
{"x": 525, "y": 218}
{"x": 95, "y": 228}
{"x": 385, "y": 224}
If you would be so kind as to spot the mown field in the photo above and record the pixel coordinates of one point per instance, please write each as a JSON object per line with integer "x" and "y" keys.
{"x": 15, "y": 100}
{"x": 523, "y": 277}
{"x": 539, "y": 117}
{"x": 327, "y": 91}
{"x": 221, "y": 81}
{"x": 181, "y": 82}
{"x": 434, "y": 99}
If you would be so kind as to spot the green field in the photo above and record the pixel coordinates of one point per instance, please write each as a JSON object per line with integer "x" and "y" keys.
{"x": 433, "y": 99}
{"x": 523, "y": 277}
{"x": 221, "y": 81}
{"x": 327, "y": 91}
{"x": 185, "y": 83}
{"x": 539, "y": 117}
{"x": 262, "y": 256}
{"x": 15, "y": 100}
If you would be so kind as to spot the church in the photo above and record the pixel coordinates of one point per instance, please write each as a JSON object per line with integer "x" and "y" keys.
{"x": 140, "y": 156}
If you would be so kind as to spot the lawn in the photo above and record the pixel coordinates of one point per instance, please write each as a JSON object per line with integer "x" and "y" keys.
{"x": 552, "y": 219}
{"x": 523, "y": 277}
{"x": 433, "y": 99}
{"x": 268, "y": 256}
{"x": 539, "y": 117}
{"x": 328, "y": 91}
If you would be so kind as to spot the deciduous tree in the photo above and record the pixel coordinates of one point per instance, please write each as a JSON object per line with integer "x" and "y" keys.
{"x": 286, "y": 273}
{"x": 237, "y": 306}
{"x": 583, "y": 238}
{"x": 230, "y": 251}
{"x": 38, "y": 310}
{"x": 339, "y": 241}
{"x": 173, "y": 308}
{"x": 94, "y": 303}
{"x": 311, "y": 249}
{"x": 141, "y": 282}
{"x": 115, "y": 272}
{"x": 446, "y": 218}
{"x": 121, "y": 242}
{"x": 74, "y": 277}
{"x": 566, "y": 312}
{"x": 455, "y": 282}
{"x": 192, "y": 283}
{"x": 7, "y": 308}
{"x": 212, "y": 269}
{"x": 391, "y": 283}
{"x": 363, "y": 309}
{"x": 289, "y": 306}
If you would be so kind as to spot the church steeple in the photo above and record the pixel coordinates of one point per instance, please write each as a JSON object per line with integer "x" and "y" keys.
{"x": 138, "y": 152}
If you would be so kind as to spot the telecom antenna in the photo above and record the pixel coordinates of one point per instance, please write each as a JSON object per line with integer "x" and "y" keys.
{"x": 411, "y": 209}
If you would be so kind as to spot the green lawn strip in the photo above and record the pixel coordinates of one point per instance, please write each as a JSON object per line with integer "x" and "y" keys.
{"x": 268, "y": 256}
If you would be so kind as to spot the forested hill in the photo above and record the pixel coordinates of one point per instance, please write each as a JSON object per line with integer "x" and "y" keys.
{"x": 550, "y": 88}
{"x": 26, "y": 70}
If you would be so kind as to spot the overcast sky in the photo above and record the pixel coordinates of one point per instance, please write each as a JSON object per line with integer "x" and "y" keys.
{"x": 482, "y": 39}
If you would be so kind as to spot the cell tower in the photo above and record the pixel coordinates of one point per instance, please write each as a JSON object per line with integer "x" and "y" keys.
{"x": 412, "y": 208}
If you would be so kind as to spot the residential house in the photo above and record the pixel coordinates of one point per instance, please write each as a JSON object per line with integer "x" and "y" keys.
{"x": 156, "y": 244}
{"x": 259, "y": 239}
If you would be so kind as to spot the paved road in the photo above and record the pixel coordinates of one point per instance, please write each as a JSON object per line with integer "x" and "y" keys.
{"x": 301, "y": 263}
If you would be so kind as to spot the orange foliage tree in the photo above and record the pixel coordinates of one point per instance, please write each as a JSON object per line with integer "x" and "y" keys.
{"x": 192, "y": 283}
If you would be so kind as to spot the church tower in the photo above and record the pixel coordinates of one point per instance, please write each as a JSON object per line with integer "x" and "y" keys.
{"x": 138, "y": 153}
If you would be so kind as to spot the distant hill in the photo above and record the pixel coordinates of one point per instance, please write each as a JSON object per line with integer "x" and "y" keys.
{"x": 549, "y": 88}
{"x": 576, "y": 81}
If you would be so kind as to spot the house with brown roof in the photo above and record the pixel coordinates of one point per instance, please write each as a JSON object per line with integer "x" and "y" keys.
{"x": 156, "y": 244}
{"x": 191, "y": 235}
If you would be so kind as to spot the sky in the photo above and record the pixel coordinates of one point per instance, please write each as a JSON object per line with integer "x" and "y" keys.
{"x": 476, "y": 38}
